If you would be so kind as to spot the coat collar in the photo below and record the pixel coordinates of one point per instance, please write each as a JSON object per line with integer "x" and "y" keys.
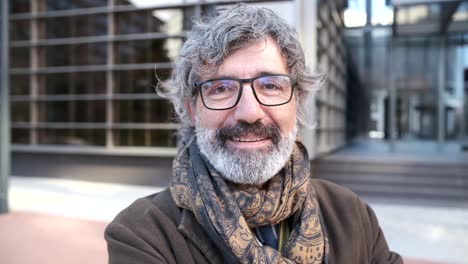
{"x": 193, "y": 231}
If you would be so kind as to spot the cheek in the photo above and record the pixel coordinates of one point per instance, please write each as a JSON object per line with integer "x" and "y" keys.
{"x": 285, "y": 116}
{"x": 210, "y": 118}
{"x": 290, "y": 121}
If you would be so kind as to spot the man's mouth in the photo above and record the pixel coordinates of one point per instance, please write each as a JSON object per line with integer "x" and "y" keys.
{"x": 247, "y": 135}
{"x": 248, "y": 139}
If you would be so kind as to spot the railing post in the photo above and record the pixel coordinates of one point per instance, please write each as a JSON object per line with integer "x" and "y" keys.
{"x": 4, "y": 109}
{"x": 441, "y": 94}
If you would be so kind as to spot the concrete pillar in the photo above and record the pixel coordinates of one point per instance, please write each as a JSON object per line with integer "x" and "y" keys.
{"x": 460, "y": 84}
{"x": 306, "y": 26}
{"x": 36, "y": 6}
{"x": 441, "y": 95}
{"x": 4, "y": 109}
{"x": 392, "y": 89}
{"x": 110, "y": 78}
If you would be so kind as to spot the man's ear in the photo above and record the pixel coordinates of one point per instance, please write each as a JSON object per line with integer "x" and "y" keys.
{"x": 190, "y": 111}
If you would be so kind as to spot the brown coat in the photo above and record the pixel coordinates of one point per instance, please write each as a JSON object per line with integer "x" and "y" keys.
{"x": 154, "y": 230}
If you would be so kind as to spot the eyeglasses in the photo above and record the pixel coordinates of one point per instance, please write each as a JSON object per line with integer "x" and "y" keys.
{"x": 225, "y": 93}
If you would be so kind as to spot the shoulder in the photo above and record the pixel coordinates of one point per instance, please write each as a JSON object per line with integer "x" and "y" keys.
{"x": 156, "y": 207}
{"x": 344, "y": 214}
{"x": 340, "y": 205}
{"x": 145, "y": 232}
{"x": 156, "y": 212}
{"x": 333, "y": 195}
{"x": 352, "y": 227}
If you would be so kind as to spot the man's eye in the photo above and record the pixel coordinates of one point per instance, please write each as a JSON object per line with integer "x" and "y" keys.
{"x": 271, "y": 86}
{"x": 219, "y": 90}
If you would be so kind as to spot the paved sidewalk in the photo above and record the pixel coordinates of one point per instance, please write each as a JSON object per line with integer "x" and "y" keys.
{"x": 425, "y": 232}
{"x": 57, "y": 221}
{"x": 28, "y": 238}
{"x": 73, "y": 198}
{"x": 62, "y": 221}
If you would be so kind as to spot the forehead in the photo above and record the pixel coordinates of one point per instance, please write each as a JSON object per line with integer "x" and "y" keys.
{"x": 260, "y": 57}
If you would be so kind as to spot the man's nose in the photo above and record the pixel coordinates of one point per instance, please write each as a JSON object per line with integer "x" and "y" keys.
{"x": 248, "y": 109}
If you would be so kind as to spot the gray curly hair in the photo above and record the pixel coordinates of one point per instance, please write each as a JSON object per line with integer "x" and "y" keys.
{"x": 213, "y": 39}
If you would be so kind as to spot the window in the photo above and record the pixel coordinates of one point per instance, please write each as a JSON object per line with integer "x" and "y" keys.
{"x": 145, "y": 51}
{"x": 78, "y": 80}
{"x": 74, "y": 26}
{"x": 73, "y": 4}
{"x": 76, "y": 55}
{"x": 73, "y": 83}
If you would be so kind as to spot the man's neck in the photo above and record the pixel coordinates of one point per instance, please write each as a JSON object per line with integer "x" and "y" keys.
{"x": 244, "y": 186}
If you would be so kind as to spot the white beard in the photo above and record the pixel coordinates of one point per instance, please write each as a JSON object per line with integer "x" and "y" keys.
{"x": 245, "y": 166}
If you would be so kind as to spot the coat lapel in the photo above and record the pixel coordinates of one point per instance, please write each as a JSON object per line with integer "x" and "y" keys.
{"x": 193, "y": 231}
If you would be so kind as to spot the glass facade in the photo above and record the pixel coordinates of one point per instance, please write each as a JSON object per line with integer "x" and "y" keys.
{"x": 421, "y": 65}
{"x": 331, "y": 98}
{"x": 87, "y": 77}
{"x": 356, "y": 14}
{"x": 83, "y": 72}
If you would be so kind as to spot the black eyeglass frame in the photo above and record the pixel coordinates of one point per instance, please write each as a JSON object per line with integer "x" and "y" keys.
{"x": 198, "y": 85}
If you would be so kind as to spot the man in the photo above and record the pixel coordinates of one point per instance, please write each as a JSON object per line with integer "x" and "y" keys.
{"x": 241, "y": 190}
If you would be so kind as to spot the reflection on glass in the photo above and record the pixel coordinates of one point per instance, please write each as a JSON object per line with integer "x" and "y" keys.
{"x": 418, "y": 14}
{"x": 19, "y": 30}
{"x": 138, "y": 81}
{"x": 152, "y": 3}
{"x": 460, "y": 18}
{"x": 123, "y": 2}
{"x": 19, "y": 57}
{"x": 146, "y": 51}
{"x": 145, "y": 138}
{"x": 20, "y": 111}
{"x": 284, "y": 9}
{"x": 173, "y": 20}
{"x": 71, "y": 137}
{"x": 61, "y": 94}
{"x": 20, "y": 136}
{"x": 72, "y": 4}
{"x": 75, "y": 26}
{"x": 73, "y": 83}
{"x": 147, "y": 21}
{"x": 72, "y": 111}
{"x": 20, "y": 6}
{"x": 355, "y": 14}
{"x": 462, "y": 12}
{"x": 382, "y": 14}
{"x": 143, "y": 111}
{"x": 19, "y": 84}
{"x": 80, "y": 54}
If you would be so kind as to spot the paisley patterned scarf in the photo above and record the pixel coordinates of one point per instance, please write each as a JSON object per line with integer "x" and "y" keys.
{"x": 228, "y": 212}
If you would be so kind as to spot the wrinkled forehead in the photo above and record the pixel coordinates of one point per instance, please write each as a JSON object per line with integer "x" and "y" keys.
{"x": 211, "y": 70}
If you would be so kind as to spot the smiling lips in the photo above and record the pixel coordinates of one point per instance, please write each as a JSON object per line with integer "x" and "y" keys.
{"x": 248, "y": 139}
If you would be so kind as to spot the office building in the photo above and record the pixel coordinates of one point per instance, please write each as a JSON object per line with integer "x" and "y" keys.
{"x": 83, "y": 76}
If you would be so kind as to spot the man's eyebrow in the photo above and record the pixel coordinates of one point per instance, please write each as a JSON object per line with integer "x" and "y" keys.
{"x": 268, "y": 73}
{"x": 256, "y": 75}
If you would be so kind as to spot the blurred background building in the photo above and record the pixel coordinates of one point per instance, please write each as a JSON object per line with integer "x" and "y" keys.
{"x": 83, "y": 75}
{"x": 411, "y": 56}
{"x": 79, "y": 112}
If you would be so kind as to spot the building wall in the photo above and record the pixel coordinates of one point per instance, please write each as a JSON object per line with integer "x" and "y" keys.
{"x": 414, "y": 58}
{"x": 83, "y": 75}
{"x": 331, "y": 60}
{"x": 415, "y": 70}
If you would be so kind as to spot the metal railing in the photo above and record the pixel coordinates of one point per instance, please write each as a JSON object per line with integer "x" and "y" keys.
{"x": 4, "y": 110}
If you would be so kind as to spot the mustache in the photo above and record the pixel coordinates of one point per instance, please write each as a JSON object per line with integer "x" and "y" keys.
{"x": 259, "y": 129}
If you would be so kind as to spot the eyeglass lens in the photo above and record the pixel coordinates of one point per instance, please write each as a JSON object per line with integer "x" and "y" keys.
{"x": 270, "y": 90}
